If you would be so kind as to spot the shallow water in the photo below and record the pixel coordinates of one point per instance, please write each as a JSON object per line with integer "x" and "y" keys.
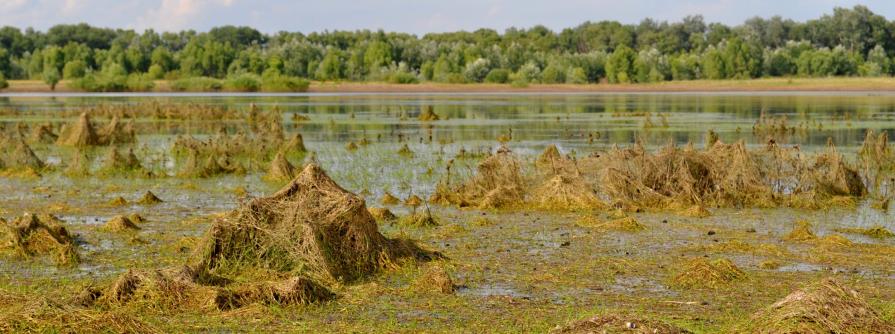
{"x": 536, "y": 257}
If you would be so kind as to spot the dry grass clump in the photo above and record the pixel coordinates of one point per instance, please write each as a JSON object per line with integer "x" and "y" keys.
{"x": 624, "y": 224}
{"x": 382, "y": 214}
{"x": 295, "y": 144}
{"x": 42, "y": 134}
{"x": 117, "y": 201}
{"x": 310, "y": 227}
{"x": 405, "y": 151}
{"x": 280, "y": 169}
{"x": 801, "y": 232}
{"x": 17, "y": 155}
{"x": 291, "y": 291}
{"x": 212, "y": 165}
{"x": 423, "y": 218}
{"x": 834, "y": 241}
{"x": 30, "y": 314}
{"x": 120, "y": 224}
{"x": 612, "y": 324}
{"x": 83, "y": 134}
{"x": 117, "y": 163}
{"x": 389, "y": 199}
{"x": 413, "y": 201}
{"x": 566, "y": 192}
{"x": 436, "y": 279}
{"x": 33, "y": 235}
{"x": 826, "y": 306}
{"x": 149, "y": 198}
{"x": 428, "y": 115}
{"x": 498, "y": 183}
{"x": 696, "y": 211}
{"x": 878, "y": 232}
{"x": 702, "y": 273}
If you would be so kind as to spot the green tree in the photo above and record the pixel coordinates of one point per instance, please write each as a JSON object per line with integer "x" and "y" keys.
{"x": 74, "y": 69}
{"x": 620, "y": 66}
{"x": 51, "y": 77}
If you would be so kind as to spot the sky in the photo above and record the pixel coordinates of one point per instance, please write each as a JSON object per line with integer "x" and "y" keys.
{"x": 411, "y": 16}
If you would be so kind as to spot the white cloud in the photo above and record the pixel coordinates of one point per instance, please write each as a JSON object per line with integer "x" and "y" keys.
{"x": 178, "y": 14}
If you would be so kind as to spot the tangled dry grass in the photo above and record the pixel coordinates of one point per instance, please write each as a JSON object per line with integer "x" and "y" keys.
{"x": 43, "y": 235}
{"x": 681, "y": 179}
{"x": 826, "y": 306}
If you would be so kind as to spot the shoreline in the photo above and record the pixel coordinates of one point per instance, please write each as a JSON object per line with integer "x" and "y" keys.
{"x": 857, "y": 85}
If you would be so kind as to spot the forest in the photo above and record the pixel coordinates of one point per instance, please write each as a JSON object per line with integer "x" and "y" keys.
{"x": 848, "y": 42}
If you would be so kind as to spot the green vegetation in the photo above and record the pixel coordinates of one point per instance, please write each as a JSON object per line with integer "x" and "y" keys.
{"x": 850, "y": 42}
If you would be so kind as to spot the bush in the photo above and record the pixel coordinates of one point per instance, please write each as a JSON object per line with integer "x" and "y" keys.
{"x": 74, "y": 69}
{"x": 245, "y": 82}
{"x": 282, "y": 83}
{"x": 519, "y": 83}
{"x": 576, "y": 76}
{"x": 498, "y": 75}
{"x": 156, "y": 72}
{"x": 139, "y": 83}
{"x": 196, "y": 84}
{"x": 3, "y": 83}
{"x": 403, "y": 78}
{"x": 553, "y": 74}
{"x": 100, "y": 83}
{"x": 455, "y": 78}
{"x": 477, "y": 70}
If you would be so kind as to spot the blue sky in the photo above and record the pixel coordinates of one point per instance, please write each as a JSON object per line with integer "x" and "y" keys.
{"x": 413, "y": 16}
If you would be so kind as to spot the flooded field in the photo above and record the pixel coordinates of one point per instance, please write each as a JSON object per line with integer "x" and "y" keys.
{"x": 674, "y": 212}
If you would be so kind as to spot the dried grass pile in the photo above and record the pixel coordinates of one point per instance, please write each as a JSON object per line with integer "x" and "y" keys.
{"x": 18, "y": 156}
{"x": 566, "y": 192}
{"x": 436, "y": 279}
{"x": 624, "y": 224}
{"x": 212, "y": 165}
{"x": 44, "y": 235}
{"x": 382, "y": 214}
{"x": 611, "y": 324}
{"x": 120, "y": 224}
{"x": 423, "y": 218}
{"x": 801, "y": 233}
{"x": 30, "y": 314}
{"x": 702, "y": 273}
{"x": 42, "y": 134}
{"x": 280, "y": 169}
{"x": 149, "y": 198}
{"x": 310, "y": 227}
{"x": 826, "y": 306}
{"x": 116, "y": 163}
{"x": 498, "y": 183}
{"x": 428, "y": 115}
{"x": 389, "y": 199}
{"x": 877, "y": 232}
{"x": 281, "y": 249}
{"x": 84, "y": 134}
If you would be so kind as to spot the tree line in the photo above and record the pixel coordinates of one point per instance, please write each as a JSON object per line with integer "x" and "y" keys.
{"x": 849, "y": 42}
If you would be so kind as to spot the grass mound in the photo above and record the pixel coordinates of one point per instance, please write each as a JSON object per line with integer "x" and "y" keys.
{"x": 120, "y": 224}
{"x": 280, "y": 169}
{"x": 801, "y": 233}
{"x": 696, "y": 211}
{"x": 389, "y": 199}
{"x": 33, "y": 235}
{"x": 42, "y": 134}
{"x": 617, "y": 324}
{"x": 826, "y": 306}
{"x": 83, "y": 134}
{"x": 563, "y": 192}
{"x": 149, "y": 198}
{"x": 423, "y": 218}
{"x": 702, "y": 273}
{"x": 382, "y": 214}
{"x": 117, "y": 163}
{"x": 311, "y": 226}
{"x": 428, "y": 115}
{"x": 436, "y": 279}
{"x": 17, "y": 155}
{"x": 624, "y": 224}
{"x": 497, "y": 184}
{"x": 30, "y": 314}
{"x": 878, "y": 232}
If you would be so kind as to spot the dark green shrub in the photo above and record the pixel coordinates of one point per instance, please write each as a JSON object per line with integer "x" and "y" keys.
{"x": 403, "y": 78}
{"x": 196, "y": 84}
{"x": 498, "y": 75}
{"x": 243, "y": 83}
{"x": 282, "y": 83}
